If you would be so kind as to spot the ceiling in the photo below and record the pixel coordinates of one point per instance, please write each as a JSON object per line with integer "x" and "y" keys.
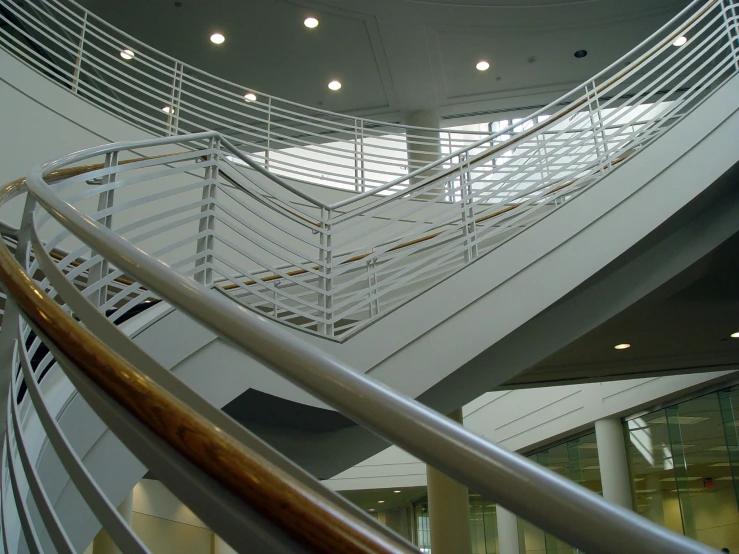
{"x": 684, "y": 326}
{"x": 396, "y": 56}
{"x": 384, "y": 499}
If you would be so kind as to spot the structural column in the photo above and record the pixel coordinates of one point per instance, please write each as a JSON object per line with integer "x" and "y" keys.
{"x": 423, "y": 147}
{"x": 449, "y": 510}
{"x": 103, "y": 544}
{"x": 508, "y": 535}
{"x": 221, "y": 547}
{"x": 614, "y": 465}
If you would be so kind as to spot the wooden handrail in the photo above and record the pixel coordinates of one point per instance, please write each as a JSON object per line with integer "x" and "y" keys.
{"x": 296, "y": 510}
{"x": 518, "y": 138}
{"x": 406, "y": 244}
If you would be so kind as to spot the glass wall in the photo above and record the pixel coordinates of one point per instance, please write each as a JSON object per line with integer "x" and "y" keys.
{"x": 684, "y": 462}
{"x": 576, "y": 459}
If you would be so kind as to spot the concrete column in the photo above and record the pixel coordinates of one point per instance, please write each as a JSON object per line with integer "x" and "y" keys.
{"x": 614, "y": 465}
{"x": 423, "y": 147}
{"x": 103, "y": 544}
{"x": 396, "y": 520}
{"x": 508, "y": 534}
{"x": 449, "y": 510}
{"x": 221, "y": 547}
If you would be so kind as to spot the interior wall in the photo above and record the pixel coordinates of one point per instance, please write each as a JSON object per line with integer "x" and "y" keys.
{"x": 162, "y": 536}
{"x": 521, "y": 420}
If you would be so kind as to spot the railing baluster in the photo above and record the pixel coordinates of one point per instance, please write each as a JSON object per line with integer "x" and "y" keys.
{"x": 732, "y": 28}
{"x": 174, "y": 96}
{"x": 205, "y": 244}
{"x": 177, "y": 100}
{"x": 468, "y": 212}
{"x": 78, "y": 60}
{"x": 326, "y": 281}
{"x": 105, "y": 202}
{"x": 269, "y": 131}
{"x": 593, "y": 114}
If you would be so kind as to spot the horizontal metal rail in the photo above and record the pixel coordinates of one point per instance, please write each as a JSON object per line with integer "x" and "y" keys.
{"x": 504, "y": 477}
{"x": 233, "y": 466}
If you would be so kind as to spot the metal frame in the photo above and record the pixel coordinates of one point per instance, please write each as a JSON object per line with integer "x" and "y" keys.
{"x": 216, "y": 238}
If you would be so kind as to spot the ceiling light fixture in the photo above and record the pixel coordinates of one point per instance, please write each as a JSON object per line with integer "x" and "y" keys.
{"x": 127, "y": 54}
{"x": 679, "y": 41}
{"x": 380, "y": 501}
{"x": 217, "y": 38}
{"x": 334, "y": 85}
{"x": 482, "y": 65}
{"x": 735, "y": 335}
{"x": 581, "y": 54}
{"x": 622, "y": 346}
{"x": 167, "y": 109}
{"x": 396, "y": 492}
{"x": 311, "y": 22}
{"x": 371, "y": 509}
{"x": 250, "y": 97}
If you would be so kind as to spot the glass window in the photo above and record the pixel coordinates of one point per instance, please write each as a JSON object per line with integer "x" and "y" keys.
{"x": 682, "y": 460}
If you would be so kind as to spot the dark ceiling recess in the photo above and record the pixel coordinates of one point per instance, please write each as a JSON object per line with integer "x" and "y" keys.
{"x": 581, "y": 53}
{"x": 261, "y": 408}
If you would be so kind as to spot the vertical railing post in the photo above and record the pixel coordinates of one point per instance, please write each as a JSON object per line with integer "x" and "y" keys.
{"x": 269, "y": 131}
{"x": 177, "y": 100}
{"x": 325, "y": 257}
{"x": 373, "y": 299}
{"x": 731, "y": 22}
{"x": 359, "y": 175}
{"x": 362, "y": 174}
{"x": 594, "y": 113}
{"x": 205, "y": 243}
{"x": 78, "y": 60}
{"x": 357, "y": 186}
{"x": 546, "y": 171}
{"x": 105, "y": 201}
{"x": 174, "y": 98}
{"x": 469, "y": 231}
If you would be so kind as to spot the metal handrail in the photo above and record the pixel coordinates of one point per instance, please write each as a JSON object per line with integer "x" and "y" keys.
{"x": 563, "y": 508}
{"x": 67, "y": 15}
{"x": 334, "y": 268}
{"x": 284, "y": 495}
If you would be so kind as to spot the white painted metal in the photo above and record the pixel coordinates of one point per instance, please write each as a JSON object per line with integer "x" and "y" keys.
{"x": 190, "y": 225}
{"x": 333, "y": 269}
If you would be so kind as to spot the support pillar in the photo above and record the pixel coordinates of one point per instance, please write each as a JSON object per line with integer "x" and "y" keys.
{"x": 508, "y": 533}
{"x": 221, "y": 547}
{"x": 614, "y": 465}
{"x": 449, "y": 510}
{"x": 423, "y": 147}
{"x": 103, "y": 544}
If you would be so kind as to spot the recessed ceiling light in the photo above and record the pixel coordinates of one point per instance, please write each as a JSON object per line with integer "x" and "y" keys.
{"x": 623, "y": 346}
{"x": 735, "y": 335}
{"x": 311, "y": 22}
{"x": 482, "y": 65}
{"x": 250, "y": 97}
{"x": 679, "y": 41}
{"x": 380, "y": 501}
{"x": 217, "y": 38}
{"x": 334, "y": 85}
{"x": 581, "y": 54}
{"x": 127, "y": 54}
{"x": 166, "y": 109}
{"x": 371, "y": 509}
{"x": 396, "y": 492}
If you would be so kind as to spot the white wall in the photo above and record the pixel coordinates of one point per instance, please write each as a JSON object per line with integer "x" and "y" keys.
{"x": 520, "y": 420}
